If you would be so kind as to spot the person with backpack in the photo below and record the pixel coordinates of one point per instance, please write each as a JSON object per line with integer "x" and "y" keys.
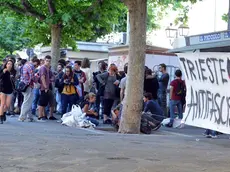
{"x": 27, "y": 82}
{"x": 177, "y": 94}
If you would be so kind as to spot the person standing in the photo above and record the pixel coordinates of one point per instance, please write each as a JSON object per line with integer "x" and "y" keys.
{"x": 81, "y": 78}
{"x": 110, "y": 82}
{"x": 85, "y": 67}
{"x": 27, "y": 78}
{"x": 151, "y": 84}
{"x": 69, "y": 96}
{"x": 36, "y": 92}
{"x": 163, "y": 84}
{"x": 59, "y": 87}
{"x": 177, "y": 92}
{"x": 46, "y": 96}
{"x": 122, "y": 85}
{"x": 6, "y": 87}
{"x": 99, "y": 93}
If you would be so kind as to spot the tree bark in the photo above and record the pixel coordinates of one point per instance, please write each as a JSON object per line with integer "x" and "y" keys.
{"x": 132, "y": 105}
{"x": 229, "y": 15}
{"x": 55, "y": 44}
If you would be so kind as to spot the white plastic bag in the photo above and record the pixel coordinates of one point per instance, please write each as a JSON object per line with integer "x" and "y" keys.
{"x": 75, "y": 118}
{"x": 177, "y": 123}
{"x": 70, "y": 118}
{"x": 165, "y": 121}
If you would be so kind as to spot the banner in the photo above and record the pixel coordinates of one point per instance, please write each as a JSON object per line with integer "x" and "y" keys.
{"x": 207, "y": 77}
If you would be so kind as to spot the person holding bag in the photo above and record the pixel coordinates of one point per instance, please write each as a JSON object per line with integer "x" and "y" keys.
{"x": 6, "y": 87}
{"x": 69, "y": 95}
{"x": 27, "y": 78}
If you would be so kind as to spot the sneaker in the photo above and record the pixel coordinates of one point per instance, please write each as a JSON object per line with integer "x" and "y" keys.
{"x": 31, "y": 120}
{"x": 209, "y": 136}
{"x": 52, "y": 118}
{"x": 17, "y": 111}
{"x": 108, "y": 121}
{"x": 21, "y": 119}
{"x": 4, "y": 116}
{"x": 7, "y": 113}
{"x": 169, "y": 125}
{"x": 41, "y": 119}
{"x": 59, "y": 121}
{"x": 213, "y": 136}
{"x": 205, "y": 134}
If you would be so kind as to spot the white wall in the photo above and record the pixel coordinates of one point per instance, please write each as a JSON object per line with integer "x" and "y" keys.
{"x": 152, "y": 61}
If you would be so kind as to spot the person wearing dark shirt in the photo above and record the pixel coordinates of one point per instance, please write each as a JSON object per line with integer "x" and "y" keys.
{"x": 177, "y": 90}
{"x": 151, "y": 84}
{"x": 153, "y": 107}
{"x": 89, "y": 108}
{"x": 163, "y": 84}
{"x": 99, "y": 96}
{"x": 6, "y": 87}
{"x": 81, "y": 78}
{"x": 58, "y": 87}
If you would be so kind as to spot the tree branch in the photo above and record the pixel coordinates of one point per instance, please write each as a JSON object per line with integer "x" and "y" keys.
{"x": 51, "y": 7}
{"x": 31, "y": 11}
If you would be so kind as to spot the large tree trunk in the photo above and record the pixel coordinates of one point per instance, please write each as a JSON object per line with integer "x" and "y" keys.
{"x": 229, "y": 15}
{"x": 55, "y": 44}
{"x": 132, "y": 107}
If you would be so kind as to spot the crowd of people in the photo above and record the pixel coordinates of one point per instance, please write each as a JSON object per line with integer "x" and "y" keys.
{"x": 32, "y": 88}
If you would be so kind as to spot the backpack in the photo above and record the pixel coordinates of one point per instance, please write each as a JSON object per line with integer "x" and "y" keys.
{"x": 180, "y": 90}
{"x": 148, "y": 123}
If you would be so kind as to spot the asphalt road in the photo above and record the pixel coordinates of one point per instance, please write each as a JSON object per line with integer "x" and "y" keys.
{"x": 51, "y": 147}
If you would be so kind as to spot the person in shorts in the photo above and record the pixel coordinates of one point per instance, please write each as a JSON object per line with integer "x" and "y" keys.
{"x": 6, "y": 88}
{"x": 46, "y": 97}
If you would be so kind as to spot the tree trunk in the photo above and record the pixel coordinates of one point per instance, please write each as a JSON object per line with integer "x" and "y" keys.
{"x": 55, "y": 44}
{"x": 132, "y": 106}
{"x": 229, "y": 15}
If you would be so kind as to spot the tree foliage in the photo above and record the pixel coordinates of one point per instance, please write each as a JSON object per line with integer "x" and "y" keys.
{"x": 12, "y": 35}
{"x": 158, "y": 9}
{"x": 80, "y": 20}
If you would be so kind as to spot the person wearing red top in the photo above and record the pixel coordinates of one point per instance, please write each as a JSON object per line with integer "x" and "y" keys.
{"x": 177, "y": 92}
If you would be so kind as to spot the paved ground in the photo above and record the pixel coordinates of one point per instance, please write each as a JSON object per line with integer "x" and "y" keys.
{"x": 50, "y": 147}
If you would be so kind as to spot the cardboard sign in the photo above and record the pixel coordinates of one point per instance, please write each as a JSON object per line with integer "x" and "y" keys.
{"x": 207, "y": 77}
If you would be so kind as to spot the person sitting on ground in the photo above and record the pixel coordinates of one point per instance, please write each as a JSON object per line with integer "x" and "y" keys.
{"x": 154, "y": 108}
{"x": 116, "y": 115}
{"x": 90, "y": 109}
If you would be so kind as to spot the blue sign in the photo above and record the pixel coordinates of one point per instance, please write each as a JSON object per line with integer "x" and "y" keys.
{"x": 226, "y": 34}
{"x": 210, "y": 37}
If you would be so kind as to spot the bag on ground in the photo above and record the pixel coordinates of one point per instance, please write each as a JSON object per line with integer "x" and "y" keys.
{"x": 76, "y": 118}
{"x": 148, "y": 123}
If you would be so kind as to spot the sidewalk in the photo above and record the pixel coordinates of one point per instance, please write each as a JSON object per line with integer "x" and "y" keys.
{"x": 51, "y": 147}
